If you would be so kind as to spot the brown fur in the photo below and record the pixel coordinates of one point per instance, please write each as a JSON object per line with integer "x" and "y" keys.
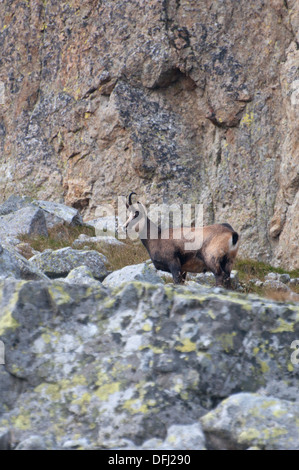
{"x": 216, "y": 253}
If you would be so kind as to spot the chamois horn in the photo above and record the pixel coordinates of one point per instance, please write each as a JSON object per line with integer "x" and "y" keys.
{"x": 130, "y": 198}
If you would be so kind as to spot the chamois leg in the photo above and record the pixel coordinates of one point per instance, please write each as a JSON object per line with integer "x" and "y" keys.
{"x": 226, "y": 266}
{"x": 219, "y": 274}
{"x": 175, "y": 269}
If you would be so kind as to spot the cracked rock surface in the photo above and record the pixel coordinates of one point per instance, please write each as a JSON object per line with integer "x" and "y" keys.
{"x": 179, "y": 101}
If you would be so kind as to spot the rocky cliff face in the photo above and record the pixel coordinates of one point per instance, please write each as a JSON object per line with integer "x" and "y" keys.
{"x": 179, "y": 101}
{"x": 94, "y": 359}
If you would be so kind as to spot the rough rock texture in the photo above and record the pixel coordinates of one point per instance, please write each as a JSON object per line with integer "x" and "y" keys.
{"x": 56, "y": 213}
{"x": 87, "y": 367}
{"x": 85, "y": 240}
{"x": 82, "y": 275}
{"x": 180, "y": 101}
{"x": 28, "y": 220}
{"x": 59, "y": 263}
{"x": 248, "y": 419}
{"x": 138, "y": 272}
{"x": 13, "y": 264}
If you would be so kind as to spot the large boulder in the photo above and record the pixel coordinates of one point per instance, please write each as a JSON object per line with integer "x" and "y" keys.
{"x": 28, "y": 220}
{"x": 13, "y": 264}
{"x": 58, "y": 263}
{"x": 13, "y": 203}
{"x": 98, "y": 369}
{"x": 57, "y": 213}
{"x": 81, "y": 275}
{"x": 136, "y": 272}
{"x": 24, "y": 208}
{"x": 253, "y": 420}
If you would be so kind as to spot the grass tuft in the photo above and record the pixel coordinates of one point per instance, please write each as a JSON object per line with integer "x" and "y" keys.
{"x": 59, "y": 236}
{"x": 133, "y": 252}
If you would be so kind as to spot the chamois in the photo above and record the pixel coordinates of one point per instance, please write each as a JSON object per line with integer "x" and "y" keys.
{"x": 216, "y": 252}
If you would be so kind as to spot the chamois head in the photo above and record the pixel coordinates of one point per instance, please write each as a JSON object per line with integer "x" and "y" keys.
{"x": 137, "y": 214}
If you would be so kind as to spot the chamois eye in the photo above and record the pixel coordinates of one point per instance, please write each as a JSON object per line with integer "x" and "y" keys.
{"x": 136, "y": 214}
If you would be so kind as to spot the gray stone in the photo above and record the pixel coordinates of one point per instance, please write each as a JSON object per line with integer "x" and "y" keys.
{"x": 104, "y": 226}
{"x": 141, "y": 365}
{"x": 28, "y": 220}
{"x": 294, "y": 282}
{"x": 285, "y": 278}
{"x": 5, "y": 439}
{"x": 234, "y": 279}
{"x": 246, "y": 419}
{"x": 32, "y": 443}
{"x": 14, "y": 203}
{"x": 183, "y": 437}
{"x": 275, "y": 284}
{"x": 138, "y": 272}
{"x": 60, "y": 262}
{"x": 85, "y": 240}
{"x": 57, "y": 213}
{"x": 82, "y": 275}
{"x": 271, "y": 277}
{"x": 205, "y": 278}
{"x": 13, "y": 264}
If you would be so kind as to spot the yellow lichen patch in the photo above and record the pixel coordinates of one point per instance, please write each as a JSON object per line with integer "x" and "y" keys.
{"x": 264, "y": 365}
{"x": 135, "y": 406}
{"x": 140, "y": 404}
{"x": 211, "y": 314}
{"x": 227, "y": 340}
{"x": 282, "y": 326}
{"x": 7, "y": 322}
{"x": 186, "y": 346}
{"x": 247, "y": 119}
{"x": 105, "y": 390}
{"x": 58, "y": 294}
{"x": 82, "y": 401}
{"x": 279, "y": 412}
{"x": 22, "y": 421}
{"x": 6, "y": 319}
{"x": 248, "y": 435}
{"x": 55, "y": 391}
{"x": 147, "y": 326}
